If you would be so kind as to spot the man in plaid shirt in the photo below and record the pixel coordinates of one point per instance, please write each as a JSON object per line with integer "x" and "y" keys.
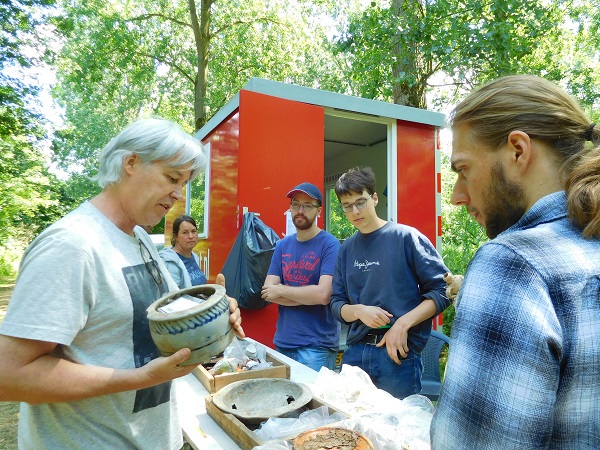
{"x": 524, "y": 364}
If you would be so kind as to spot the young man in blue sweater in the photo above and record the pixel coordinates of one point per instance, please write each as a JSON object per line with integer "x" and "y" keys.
{"x": 387, "y": 285}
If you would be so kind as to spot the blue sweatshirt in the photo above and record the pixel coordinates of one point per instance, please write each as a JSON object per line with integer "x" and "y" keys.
{"x": 396, "y": 268}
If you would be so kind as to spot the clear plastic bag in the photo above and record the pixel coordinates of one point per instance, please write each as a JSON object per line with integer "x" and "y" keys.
{"x": 226, "y": 365}
{"x": 286, "y": 427}
{"x": 390, "y": 423}
{"x": 241, "y": 355}
{"x": 276, "y": 444}
{"x": 351, "y": 390}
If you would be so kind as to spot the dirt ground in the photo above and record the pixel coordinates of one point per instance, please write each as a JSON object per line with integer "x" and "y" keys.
{"x": 9, "y": 411}
{"x": 6, "y": 288}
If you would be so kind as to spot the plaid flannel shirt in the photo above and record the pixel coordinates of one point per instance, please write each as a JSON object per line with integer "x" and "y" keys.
{"x": 524, "y": 364}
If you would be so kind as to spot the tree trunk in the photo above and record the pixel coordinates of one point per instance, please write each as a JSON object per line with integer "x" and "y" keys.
{"x": 407, "y": 66}
{"x": 201, "y": 29}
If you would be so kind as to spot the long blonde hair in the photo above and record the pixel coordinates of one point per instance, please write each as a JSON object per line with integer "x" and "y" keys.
{"x": 545, "y": 112}
{"x": 583, "y": 193}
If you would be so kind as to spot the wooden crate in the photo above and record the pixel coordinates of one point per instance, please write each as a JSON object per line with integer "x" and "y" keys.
{"x": 243, "y": 434}
{"x": 212, "y": 384}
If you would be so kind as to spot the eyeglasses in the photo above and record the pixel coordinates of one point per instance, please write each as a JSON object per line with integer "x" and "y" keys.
{"x": 307, "y": 207}
{"x": 150, "y": 264}
{"x": 361, "y": 203}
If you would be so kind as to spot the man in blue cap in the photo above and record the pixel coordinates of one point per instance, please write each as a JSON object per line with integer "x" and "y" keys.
{"x": 299, "y": 280}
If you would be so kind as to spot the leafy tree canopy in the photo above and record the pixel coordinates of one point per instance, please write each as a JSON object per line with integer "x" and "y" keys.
{"x": 399, "y": 50}
{"x": 30, "y": 196}
{"x": 129, "y": 59}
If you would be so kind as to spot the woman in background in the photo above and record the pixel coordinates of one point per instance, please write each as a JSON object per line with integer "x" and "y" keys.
{"x": 182, "y": 262}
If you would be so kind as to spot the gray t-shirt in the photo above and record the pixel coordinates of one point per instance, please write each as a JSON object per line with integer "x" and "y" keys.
{"x": 83, "y": 284}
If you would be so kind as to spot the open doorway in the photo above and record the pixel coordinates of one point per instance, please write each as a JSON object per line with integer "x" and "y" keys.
{"x": 357, "y": 140}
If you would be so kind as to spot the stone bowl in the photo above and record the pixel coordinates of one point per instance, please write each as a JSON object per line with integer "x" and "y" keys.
{"x": 196, "y": 318}
{"x": 332, "y": 438}
{"x": 258, "y": 399}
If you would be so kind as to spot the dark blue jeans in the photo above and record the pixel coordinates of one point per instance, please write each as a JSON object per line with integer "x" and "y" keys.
{"x": 399, "y": 380}
{"x": 313, "y": 357}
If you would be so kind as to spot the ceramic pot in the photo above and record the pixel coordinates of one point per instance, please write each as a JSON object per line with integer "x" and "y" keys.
{"x": 196, "y": 318}
{"x": 334, "y": 438}
{"x": 255, "y": 400}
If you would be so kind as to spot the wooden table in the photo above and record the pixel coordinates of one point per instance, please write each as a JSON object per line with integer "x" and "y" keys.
{"x": 199, "y": 429}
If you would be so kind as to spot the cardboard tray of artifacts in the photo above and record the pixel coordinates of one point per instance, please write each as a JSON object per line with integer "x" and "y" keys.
{"x": 243, "y": 434}
{"x": 213, "y": 383}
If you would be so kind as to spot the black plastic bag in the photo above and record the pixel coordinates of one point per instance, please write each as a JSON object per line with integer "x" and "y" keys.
{"x": 248, "y": 262}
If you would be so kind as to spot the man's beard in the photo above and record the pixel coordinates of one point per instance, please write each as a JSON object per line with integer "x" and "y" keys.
{"x": 304, "y": 225}
{"x": 504, "y": 203}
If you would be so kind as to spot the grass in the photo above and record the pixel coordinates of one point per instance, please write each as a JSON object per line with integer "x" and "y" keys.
{"x": 9, "y": 411}
{"x": 9, "y": 417}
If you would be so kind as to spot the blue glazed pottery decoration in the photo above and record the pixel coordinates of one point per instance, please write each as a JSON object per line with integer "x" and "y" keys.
{"x": 196, "y": 318}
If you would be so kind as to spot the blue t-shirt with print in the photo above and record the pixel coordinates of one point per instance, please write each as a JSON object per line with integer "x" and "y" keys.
{"x": 299, "y": 263}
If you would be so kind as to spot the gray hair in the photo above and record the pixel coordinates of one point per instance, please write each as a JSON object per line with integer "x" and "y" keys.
{"x": 151, "y": 140}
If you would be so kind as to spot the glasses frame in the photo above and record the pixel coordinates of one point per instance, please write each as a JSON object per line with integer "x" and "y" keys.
{"x": 350, "y": 208}
{"x": 310, "y": 207}
{"x": 150, "y": 264}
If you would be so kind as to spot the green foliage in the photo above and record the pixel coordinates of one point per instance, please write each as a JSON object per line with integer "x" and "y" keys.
{"x": 122, "y": 60}
{"x": 107, "y": 78}
{"x": 197, "y": 207}
{"x": 18, "y": 24}
{"x": 30, "y": 196}
{"x": 394, "y": 49}
{"x": 129, "y": 59}
{"x": 461, "y": 236}
{"x": 78, "y": 188}
{"x": 341, "y": 227}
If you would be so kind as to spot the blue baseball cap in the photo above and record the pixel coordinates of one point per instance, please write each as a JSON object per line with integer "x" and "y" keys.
{"x": 309, "y": 189}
